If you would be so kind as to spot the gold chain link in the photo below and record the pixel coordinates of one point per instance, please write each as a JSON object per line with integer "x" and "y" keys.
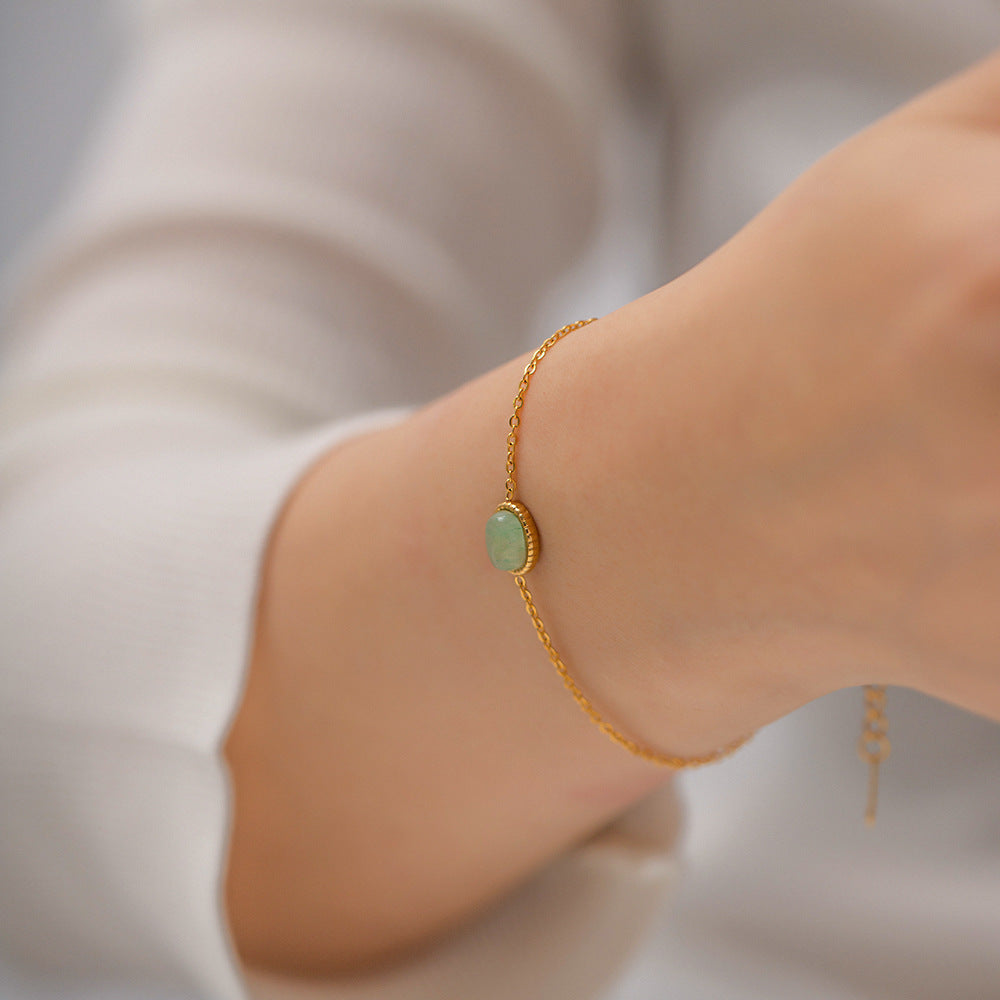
{"x": 654, "y": 756}
{"x": 873, "y": 745}
{"x": 529, "y": 370}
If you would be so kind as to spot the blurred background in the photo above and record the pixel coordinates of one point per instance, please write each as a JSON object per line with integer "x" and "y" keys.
{"x": 57, "y": 61}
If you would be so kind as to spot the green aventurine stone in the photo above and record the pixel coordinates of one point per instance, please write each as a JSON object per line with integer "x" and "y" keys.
{"x": 505, "y": 541}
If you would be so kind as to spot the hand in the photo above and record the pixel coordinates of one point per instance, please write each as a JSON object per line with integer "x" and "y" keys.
{"x": 821, "y": 427}
{"x": 769, "y": 479}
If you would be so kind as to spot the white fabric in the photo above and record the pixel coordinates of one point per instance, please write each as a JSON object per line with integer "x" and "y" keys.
{"x": 303, "y": 218}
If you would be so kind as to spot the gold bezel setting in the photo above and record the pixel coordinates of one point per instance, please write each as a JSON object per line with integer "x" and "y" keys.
{"x": 530, "y": 529}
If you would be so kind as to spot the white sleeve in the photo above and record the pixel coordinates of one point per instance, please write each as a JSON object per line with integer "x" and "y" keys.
{"x": 300, "y": 221}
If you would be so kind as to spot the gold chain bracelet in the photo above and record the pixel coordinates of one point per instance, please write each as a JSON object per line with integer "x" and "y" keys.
{"x": 513, "y": 543}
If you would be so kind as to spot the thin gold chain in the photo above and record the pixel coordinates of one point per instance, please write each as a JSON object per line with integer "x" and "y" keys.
{"x": 655, "y": 756}
{"x": 529, "y": 370}
{"x": 664, "y": 759}
{"x": 873, "y": 745}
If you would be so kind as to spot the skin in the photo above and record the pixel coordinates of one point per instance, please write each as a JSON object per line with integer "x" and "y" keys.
{"x": 771, "y": 478}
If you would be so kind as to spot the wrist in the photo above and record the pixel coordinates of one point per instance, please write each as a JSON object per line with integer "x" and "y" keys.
{"x": 654, "y": 587}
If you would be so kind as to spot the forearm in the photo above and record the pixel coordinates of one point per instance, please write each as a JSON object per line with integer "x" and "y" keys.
{"x": 405, "y": 751}
{"x": 260, "y": 250}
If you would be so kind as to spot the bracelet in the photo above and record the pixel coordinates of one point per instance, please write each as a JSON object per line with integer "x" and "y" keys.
{"x": 514, "y": 545}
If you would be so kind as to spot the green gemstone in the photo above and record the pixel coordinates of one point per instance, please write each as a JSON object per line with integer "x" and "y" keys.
{"x": 505, "y": 541}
